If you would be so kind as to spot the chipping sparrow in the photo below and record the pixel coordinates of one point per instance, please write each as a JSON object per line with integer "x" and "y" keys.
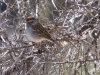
{"x": 36, "y": 32}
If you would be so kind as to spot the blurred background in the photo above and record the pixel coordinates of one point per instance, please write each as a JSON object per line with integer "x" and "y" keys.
{"x": 74, "y": 23}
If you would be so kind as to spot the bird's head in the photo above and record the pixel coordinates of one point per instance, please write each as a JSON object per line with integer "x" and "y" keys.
{"x": 31, "y": 21}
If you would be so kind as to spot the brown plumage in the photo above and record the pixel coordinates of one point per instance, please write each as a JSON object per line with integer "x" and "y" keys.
{"x": 40, "y": 30}
{"x": 37, "y": 29}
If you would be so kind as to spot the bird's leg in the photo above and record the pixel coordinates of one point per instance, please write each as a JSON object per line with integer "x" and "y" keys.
{"x": 41, "y": 47}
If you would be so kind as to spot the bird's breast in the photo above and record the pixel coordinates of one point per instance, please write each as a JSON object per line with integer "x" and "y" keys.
{"x": 32, "y": 36}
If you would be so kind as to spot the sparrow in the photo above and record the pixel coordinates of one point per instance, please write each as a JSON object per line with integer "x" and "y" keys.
{"x": 36, "y": 32}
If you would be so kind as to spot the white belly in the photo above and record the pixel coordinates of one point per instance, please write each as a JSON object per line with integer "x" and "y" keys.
{"x": 32, "y": 36}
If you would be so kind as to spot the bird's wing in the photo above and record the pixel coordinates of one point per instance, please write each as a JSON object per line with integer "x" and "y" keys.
{"x": 40, "y": 30}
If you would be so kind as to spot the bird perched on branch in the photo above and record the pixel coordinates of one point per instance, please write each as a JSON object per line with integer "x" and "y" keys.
{"x": 36, "y": 32}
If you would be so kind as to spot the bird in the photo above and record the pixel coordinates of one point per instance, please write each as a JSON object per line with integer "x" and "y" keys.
{"x": 36, "y": 32}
